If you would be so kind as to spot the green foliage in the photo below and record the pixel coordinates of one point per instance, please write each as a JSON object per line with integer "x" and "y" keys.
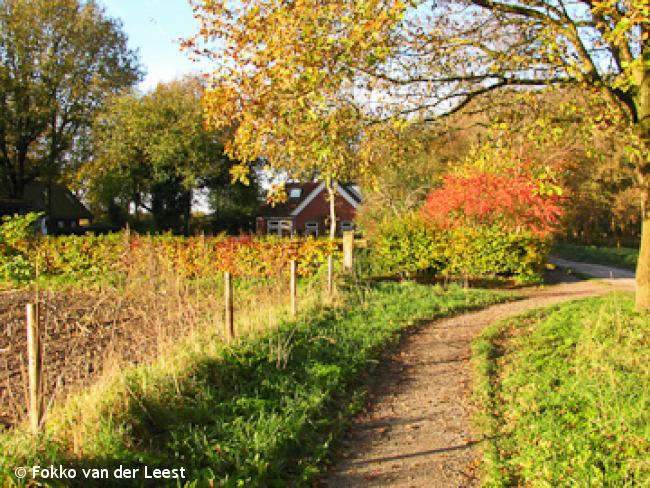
{"x": 408, "y": 246}
{"x": 564, "y": 394}
{"x": 262, "y": 413}
{"x": 16, "y": 246}
{"x": 489, "y": 250}
{"x": 623, "y": 257}
{"x": 155, "y": 148}
{"x": 76, "y": 257}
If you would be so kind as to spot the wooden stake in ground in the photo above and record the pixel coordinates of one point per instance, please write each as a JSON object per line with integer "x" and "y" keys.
{"x": 348, "y": 251}
{"x": 330, "y": 275}
{"x": 230, "y": 323}
{"x": 293, "y": 291}
{"x": 34, "y": 369}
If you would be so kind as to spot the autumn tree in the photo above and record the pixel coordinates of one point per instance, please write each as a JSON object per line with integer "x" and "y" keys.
{"x": 446, "y": 54}
{"x": 281, "y": 79}
{"x": 566, "y": 132}
{"x": 59, "y": 61}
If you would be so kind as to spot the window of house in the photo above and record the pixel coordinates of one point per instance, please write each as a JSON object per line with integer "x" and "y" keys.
{"x": 280, "y": 227}
{"x": 272, "y": 226}
{"x": 295, "y": 193}
{"x": 60, "y": 224}
{"x": 347, "y": 225}
{"x": 311, "y": 228}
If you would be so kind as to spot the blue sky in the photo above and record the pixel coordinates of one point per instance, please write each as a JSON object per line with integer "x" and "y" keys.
{"x": 153, "y": 27}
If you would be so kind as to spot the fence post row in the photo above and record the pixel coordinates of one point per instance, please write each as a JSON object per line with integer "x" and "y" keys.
{"x": 228, "y": 298}
{"x": 34, "y": 366}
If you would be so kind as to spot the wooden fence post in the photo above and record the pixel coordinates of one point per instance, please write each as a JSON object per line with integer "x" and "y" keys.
{"x": 348, "y": 250}
{"x": 330, "y": 275}
{"x": 228, "y": 298}
{"x": 34, "y": 369}
{"x": 294, "y": 308}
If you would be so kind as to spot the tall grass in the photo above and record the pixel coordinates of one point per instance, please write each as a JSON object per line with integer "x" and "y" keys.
{"x": 565, "y": 396}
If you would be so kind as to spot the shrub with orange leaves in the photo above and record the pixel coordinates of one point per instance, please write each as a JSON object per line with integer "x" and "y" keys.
{"x": 514, "y": 200}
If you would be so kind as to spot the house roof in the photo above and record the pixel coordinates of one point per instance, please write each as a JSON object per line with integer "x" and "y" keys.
{"x": 65, "y": 205}
{"x": 288, "y": 208}
{"x": 11, "y": 206}
{"x": 285, "y": 209}
{"x": 353, "y": 190}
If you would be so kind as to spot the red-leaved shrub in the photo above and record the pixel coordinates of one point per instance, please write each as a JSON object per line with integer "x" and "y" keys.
{"x": 513, "y": 200}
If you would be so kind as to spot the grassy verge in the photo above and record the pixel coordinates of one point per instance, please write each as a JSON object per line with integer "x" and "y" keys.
{"x": 623, "y": 257}
{"x": 565, "y": 396}
{"x": 261, "y": 413}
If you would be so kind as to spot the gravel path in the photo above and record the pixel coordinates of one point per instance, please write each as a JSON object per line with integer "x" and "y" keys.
{"x": 417, "y": 430}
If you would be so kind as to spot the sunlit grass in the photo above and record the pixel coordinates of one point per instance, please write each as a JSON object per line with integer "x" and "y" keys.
{"x": 565, "y": 396}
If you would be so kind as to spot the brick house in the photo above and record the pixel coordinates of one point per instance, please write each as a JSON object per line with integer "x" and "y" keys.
{"x": 306, "y": 211}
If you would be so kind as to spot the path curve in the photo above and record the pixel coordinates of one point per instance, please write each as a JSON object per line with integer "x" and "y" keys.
{"x": 417, "y": 429}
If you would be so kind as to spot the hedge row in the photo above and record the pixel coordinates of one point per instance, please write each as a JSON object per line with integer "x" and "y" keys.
{"x": 406, "y": 247}
{"x": 410, "y": 246}
{"x": 22, "y": 253}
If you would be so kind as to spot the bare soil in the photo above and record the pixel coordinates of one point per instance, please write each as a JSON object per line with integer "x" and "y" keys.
{"x": 416, "y": 430}
{"x": 82, "y": 333}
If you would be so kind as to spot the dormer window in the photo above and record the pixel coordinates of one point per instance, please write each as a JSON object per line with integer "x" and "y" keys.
{"x": 295, "y": 193}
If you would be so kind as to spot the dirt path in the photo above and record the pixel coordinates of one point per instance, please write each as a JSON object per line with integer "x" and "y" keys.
{"x": 417, "y": 430}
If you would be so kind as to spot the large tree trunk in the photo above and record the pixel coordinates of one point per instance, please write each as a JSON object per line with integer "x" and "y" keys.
{"x": 187, "y": 212}
{"x": 643, "y": 265}
{"x": 642, "y": 104}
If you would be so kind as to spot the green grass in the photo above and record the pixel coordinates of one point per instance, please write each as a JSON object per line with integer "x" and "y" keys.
{"x": 262, "y": 413}
{"x": 565, "y": 396}
{"x": 623, "y": 257}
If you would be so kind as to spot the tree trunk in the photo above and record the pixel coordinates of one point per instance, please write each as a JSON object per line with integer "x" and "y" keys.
{"x": 643, "y": 265}
{"x": 642, "y": 104}
{"x": 187, "y": 212}
{"x": 330, "y": 184}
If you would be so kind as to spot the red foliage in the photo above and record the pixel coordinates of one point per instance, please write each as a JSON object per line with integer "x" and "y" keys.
{"x": 513, "y": 200}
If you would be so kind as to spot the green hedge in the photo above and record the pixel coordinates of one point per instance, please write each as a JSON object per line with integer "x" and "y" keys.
{"x": 17, "y": 247}
{"x": 111, "y": 256}
{"x": 409, "y": 246}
